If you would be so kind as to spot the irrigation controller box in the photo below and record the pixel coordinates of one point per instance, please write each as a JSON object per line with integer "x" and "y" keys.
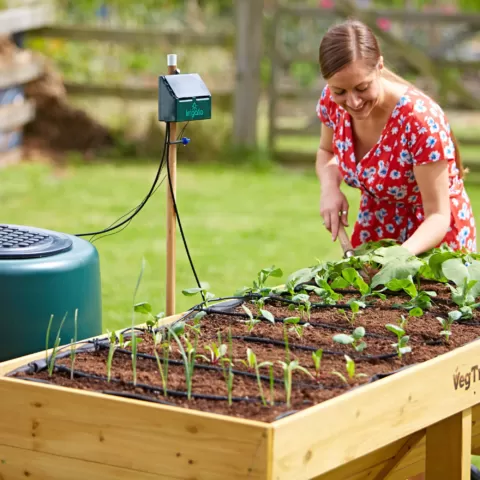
{"x": 183, "y": 98}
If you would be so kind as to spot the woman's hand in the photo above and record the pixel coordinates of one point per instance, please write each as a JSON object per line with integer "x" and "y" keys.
{"x": 333, "y": 209}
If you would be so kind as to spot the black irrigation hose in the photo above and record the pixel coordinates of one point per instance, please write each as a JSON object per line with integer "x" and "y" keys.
{"x": 202, "y": 366}
{"x": 157, "y": 390}
{"x": 307, "y": 348}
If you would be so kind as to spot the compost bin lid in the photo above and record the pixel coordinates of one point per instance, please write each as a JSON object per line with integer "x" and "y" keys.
{"x": 187, "y": 85}
{"x": 21, "y": 242}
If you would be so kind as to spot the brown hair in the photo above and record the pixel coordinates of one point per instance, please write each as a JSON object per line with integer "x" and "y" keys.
{"x": 352, "y": 40}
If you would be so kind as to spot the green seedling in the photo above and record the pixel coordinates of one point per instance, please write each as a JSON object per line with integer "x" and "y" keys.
{"x": 351, "y": 371}
{"x": 288, "y": 369}
{"x": 354, "y": 310}
{"x": 351, "y": 278}
{"x": 216, "y": 353}
{"x": 134, "y": 339}
{"x": 259, "y": 286}
{"x": 317, "y": 360}
{"x": 188, "y": 354}
{"x": 251, "y": 322}
{"x": 162, "y": 368}
{"x": 252, "y": 364}
{"x": 272, "y": 385}
{"x": 401, "y": 346}
{"x": 295, "y": 325}
{"x": 418, "y": 299}
{"x": 203, "y": 290}
{"x": 304, "y": 305}
{"x": 51, "y": 361}
{"x": 73, "y": 341}
{"x": 353, "y": 339}
{"x": 146, "y": 309}
{"x": 448, "y": 322}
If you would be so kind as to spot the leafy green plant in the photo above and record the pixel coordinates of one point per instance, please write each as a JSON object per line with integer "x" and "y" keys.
{"x": 216, "y": 353}
{"x": 304, "y": 305}
{"x": 351, "y": 278}
{"x": 351, "y": 371}
{"x": 447, "y": 323}
{"x": 259, "y": 285}
{"x": 323, "y": 290}
{"x": 288, "y": 369}
{"x": 188, "y": 354}
{"x": 317, "y": 360}
{"x": 252, "y": 364}
{"x": 51, "y": 361}
{"x": 418, "y": 299}
{"x": 354, "y": 339}
{"x": 402, "y": 339}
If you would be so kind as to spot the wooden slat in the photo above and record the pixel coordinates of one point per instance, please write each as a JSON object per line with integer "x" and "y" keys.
{"x": 135, "y": 36}
{"x": 333, "y": 433}
{"x": 449, "y": 448}
{"x": 15, "y": 116}
{"x": 128, "y": 434}
{"x": 21, "y": 463}
{"x": 133, "y": 93}
{"x": 401, "y": 15}
{"x": 23, "y": 19}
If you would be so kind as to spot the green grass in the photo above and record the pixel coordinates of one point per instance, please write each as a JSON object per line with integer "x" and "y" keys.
{"x": 236, "y": 220}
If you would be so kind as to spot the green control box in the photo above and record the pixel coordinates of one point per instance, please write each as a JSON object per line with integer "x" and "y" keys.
{"x": 183, "y": 98}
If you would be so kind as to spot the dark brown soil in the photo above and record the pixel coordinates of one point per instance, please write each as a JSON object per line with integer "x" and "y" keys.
{"x": 265, "y": 339}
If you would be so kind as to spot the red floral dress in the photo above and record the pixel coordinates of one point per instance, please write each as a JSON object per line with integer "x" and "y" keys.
{"x": 416, "y": 133}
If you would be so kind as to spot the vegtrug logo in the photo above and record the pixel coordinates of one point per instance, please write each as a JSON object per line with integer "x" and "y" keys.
{"x": 194, "y": 111}
{"x": 465, "y": 380}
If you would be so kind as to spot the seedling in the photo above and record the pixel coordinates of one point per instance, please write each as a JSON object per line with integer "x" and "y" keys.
{"x": 317, "y": 360}
{"x": 259, "y": 286}
{"x": 111, "y": 350}
{"x": 203, "y": 290}
{"x": 295, "y": 325}
{"x": 73, "y": 342}
{"x": 447, "y": 323}
{"x": 402, "y": 339}
{"x": 272, "y": 385}
{"x": 134, "y": 339}
{"x": 251, "y": 322}
{"x": 304, "y": 306}
{"x": 324, "y": 291}
{"x": 216, "y": 353}
{"x": 354, "y": 310}
{"x": 418, "y": 299}
{"x": 351, "y": 371}
{"x": 146, "y": 309}
{"x": 288, "y": 369}
{"x": 352, "y": 339}
{"x": 188, "y": 356}
{"x": 227, "y": 374}
{"x": 351, "y": 278}
{"x": 51, "y": 361}
{"x": 161, "y": 368}
{"x": 252, "y": 364}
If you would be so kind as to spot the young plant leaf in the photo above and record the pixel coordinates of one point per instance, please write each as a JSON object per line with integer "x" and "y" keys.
{"x": 267, "y": 315}
{"x": 343, "y": 339}
{"x": 143, "y": 307}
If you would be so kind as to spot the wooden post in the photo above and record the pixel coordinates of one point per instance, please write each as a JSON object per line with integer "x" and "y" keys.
{"x": 449, "y": 447}
{"x": 249, "y": 21}
{"x": 171, "y": 216}
{"x": 274, "y": 68}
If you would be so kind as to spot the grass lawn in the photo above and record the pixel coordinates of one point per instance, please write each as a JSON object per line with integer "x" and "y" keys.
{"x": 236, "y": 220}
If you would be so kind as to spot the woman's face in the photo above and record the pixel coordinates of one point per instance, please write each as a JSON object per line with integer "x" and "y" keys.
{"x": 357, "y": 88}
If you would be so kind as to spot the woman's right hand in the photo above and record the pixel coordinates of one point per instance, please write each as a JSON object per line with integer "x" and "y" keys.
{"x": 333, "y": 209}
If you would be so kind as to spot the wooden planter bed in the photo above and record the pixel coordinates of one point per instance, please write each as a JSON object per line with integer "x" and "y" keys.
{"x": 400, "y": 413}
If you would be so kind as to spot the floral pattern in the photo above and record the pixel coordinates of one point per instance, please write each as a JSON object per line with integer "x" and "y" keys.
{"x": 416, "y": 133}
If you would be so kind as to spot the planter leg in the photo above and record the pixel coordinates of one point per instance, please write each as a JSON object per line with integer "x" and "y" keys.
{"x": 449, "y": 447}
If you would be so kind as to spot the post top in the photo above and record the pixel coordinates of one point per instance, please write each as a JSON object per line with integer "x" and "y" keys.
{"x": 172, "y": 60}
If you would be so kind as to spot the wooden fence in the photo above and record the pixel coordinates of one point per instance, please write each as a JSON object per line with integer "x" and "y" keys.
{"x": 21, "y": 68}
{"x": 432, "y": 67}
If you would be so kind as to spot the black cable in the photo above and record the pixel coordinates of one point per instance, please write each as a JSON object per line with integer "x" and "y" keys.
{"x": 178, "y": 216}
{"x": 142, "y": 204}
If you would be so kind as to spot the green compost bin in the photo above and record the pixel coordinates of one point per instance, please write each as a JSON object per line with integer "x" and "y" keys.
{"x": 45, "y": 273}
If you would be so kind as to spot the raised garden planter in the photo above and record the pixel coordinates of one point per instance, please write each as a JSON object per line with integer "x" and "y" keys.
{"x": 415, "y": 407}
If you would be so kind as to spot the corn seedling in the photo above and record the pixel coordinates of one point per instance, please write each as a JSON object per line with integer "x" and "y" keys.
{"x": 317, "y": 360}
{"x": 295, "y": 327}
{"x": 161, "y": 368}
{"x": 272, "y": 384}
{"x": 448, "y": 322}
{"x": 288, "y": 369}
{"x": 51, "y": 360}
{"x": 228, "y": 374}
{"x": 351, "y": 371}
{"x": 73, "y": 341}
{"x": 402, "y": 339}
{"x": 111, "y": 350}
{"x": 188, "y": 355}
{"x": 252, "y": 364}
{"x": 353, "y": 339}
{"x": 135, "y": 340}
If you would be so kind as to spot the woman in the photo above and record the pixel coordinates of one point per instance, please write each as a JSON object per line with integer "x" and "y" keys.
{"x": 382, "y": 135}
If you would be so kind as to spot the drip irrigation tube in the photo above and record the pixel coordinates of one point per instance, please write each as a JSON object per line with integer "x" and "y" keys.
{"x": 308, "y": 348}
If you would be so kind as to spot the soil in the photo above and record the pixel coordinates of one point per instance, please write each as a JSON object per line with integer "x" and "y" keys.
{"x": 266, "y": 339}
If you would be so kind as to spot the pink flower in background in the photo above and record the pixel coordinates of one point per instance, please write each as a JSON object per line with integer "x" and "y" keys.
{"x": 328, "y": 4}
{"x": 384, "y": 23}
